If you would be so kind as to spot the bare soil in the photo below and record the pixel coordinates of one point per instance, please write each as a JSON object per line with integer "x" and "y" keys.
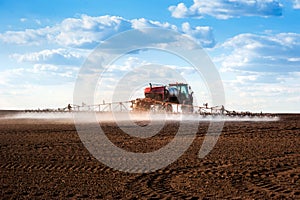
{"x": 45, "y": 159}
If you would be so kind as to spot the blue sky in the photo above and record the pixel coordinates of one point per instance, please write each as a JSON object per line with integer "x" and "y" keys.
{"x": 255, "y": 45}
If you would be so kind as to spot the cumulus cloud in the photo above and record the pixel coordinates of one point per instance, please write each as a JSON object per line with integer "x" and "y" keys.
{"x": 259, "y": 69}
{"x": 296, "y": 4}
{"x": 144, "y": 23}
{"x": 180, "y": 11}
{"x": 8, "y": 75}
{"x": 202, "y": 34}
{"x": 224, "y": 9}
{"x": 41, "y": 74}
{"x": 54, "y": 56}
{"x": 29, "y": 36}
{"x": 74, "y": 32}
{"x": 44, "y": 67}
{"x": 277, "y": 53}
{"x": 23, "y": 19}
{"x": 261, "y": 95}
{"x": 88, "y": 31}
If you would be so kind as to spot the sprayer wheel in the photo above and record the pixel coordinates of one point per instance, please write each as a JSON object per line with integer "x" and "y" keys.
{"x": 169, "y": 108}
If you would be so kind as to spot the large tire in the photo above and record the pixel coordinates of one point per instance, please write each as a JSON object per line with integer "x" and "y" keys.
{"x": 169, "y": 108}
{"x": 187, "y": 109}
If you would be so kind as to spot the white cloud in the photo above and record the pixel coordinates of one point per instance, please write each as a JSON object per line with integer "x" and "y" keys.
{"x": 38, "y": 22}
{"x": 34, "y": 96}
{"x": 53, "y": 56}
{"x": 88, "y": 31}
{"x": 44, "y": 67}
{"x": 296, "y": 4}
{"x": 126, "y": 66}
{"x": 7, "y": 75}
{"x": 242, "y": 79}
{"x": 202, "y": 34}
{"x": 29, "y": 36}
{"x": 23, "y": 19}
{"x": 266, "y": 97}
{"x": 224, "y": 9}
{"x": 144, "y": 23}
{"x": 78, "y": 32}
{"x": 39, "y": 74}
{"x": 179, "y": 11}
{"x": 261, "y": 72}
{"x": 262, "y": 53}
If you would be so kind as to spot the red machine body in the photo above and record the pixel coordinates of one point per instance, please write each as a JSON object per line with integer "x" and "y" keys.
{"x": 174, "y": 93}
{"x": 157, "y": 93}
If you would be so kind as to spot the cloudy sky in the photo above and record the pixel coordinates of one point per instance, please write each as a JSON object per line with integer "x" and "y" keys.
{"x": 254, "y": 44}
